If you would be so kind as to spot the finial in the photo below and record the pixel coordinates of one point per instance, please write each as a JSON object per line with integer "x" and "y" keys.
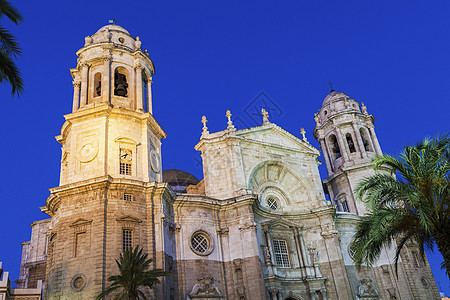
{"x": 331, "y": 86}
{"x": 364, "y": 108}
{"x": 205, "y": 129}
{"x": 265, "y": 116}
{"x": 113, "y": 21}
{"x": 303, "y": 132}
{"x": 230, "y": 123}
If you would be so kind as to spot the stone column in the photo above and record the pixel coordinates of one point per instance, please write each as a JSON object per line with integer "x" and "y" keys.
{"x": 84, "y": 84}
{"x": 149, "y": 95}
{"x": 76, "y": 95}
{"x": 360, "y": 141}
{"x": 342, "y": 144}
{"x": 139, "y": 90}
{"x": 106, "y": 79}
{"x": 375, "y": 141}
{"x": 325, "y": 155}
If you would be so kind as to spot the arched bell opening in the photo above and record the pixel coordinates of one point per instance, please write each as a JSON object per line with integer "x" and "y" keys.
{"x": 350, "y": 143}
{"x": 144, "y": 91}
{"x": 365, "y": 141}
{"x": 335, "y": 147}
{"x": 120, "y": 82}
{"x": 97, "y": 85}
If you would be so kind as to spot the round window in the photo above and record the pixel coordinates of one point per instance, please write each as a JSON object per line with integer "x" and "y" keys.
{"x": 272, "y": 203}
{"x": 78, "y": 282}
{"x": 201, "y": 243}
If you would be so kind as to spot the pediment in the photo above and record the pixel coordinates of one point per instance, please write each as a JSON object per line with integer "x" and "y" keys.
{"x": 276, "y": 136}
{"x": 281, "y": 222}
{"x": 129, "y": 219}
{"x": 80, "y": 222}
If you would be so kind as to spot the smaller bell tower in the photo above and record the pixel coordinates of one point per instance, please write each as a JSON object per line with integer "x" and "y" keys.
{"x": 348, "y": 141}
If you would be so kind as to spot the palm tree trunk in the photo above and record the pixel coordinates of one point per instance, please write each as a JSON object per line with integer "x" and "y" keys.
{"x": 442, "y": 239}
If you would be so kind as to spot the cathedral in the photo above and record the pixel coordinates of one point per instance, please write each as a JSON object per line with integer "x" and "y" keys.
{"x": 260, "y": 224}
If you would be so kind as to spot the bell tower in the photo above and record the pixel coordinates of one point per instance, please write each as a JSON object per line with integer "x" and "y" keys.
{"x": 111, "y": 130}
{"x": 110, "y": 195}
{"x": 348, "y": 141}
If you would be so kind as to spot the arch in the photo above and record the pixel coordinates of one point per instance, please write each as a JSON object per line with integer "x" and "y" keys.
{"x": 350, "y": 143}
{"x": 97, "y": 84}
{"x": 366, "y": 143}
{"x": 336, "y": 150}
{"x": 275, "y": 179}
{"x": 121, "y": 81}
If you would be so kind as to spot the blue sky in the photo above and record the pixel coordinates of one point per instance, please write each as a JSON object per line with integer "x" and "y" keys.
{"x": 212, "y": 56}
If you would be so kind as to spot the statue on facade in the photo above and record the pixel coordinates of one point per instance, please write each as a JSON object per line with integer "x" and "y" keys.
{"x": 205, "y": 286}
{"x": 366, "y": 290}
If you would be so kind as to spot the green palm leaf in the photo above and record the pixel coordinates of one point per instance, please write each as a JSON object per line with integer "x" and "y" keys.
{"x": 409, "y": 203}
{"x": 134, "y": 274}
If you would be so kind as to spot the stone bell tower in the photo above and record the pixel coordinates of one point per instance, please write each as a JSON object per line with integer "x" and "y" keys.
{"x": 110, "y": 195}
{"x": 348, "y": 141}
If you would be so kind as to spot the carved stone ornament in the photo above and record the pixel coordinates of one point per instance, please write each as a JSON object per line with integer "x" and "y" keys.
{"x": 87, "y": 41}
{"x": 205, "y": 288}
{"x": 366, "y": 290}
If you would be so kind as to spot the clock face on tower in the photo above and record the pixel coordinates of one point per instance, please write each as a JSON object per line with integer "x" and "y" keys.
{"x": 88, "y": 151}
{"x": 126, "y": 155}
{"x": 155, "y": 161}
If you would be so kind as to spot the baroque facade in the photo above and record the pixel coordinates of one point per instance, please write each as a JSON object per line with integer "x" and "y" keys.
{"x": 257, "y": 226}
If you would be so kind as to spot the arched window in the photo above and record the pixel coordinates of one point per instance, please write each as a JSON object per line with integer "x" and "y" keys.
{"x": 97, "y": 85}
{"x": 351, "y": 145}
{"x": 120, "y": 82}
{"x": 365, "y": 140}
{"x": 335, "y": 146}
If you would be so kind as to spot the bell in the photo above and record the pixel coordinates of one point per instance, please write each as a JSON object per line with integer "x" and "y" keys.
{"x": 121, "y": 90}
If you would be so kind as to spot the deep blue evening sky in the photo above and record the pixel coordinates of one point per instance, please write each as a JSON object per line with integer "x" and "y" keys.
{"x": 212, "y": 56}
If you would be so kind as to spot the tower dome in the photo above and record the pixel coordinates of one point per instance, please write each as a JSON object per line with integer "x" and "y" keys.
{"x": 111, "y": 27}
{"x": 334, "y": 96}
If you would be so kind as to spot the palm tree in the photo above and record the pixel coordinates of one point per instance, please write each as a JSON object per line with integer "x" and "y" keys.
{"x": 10, "y": 49}
{"x": 133, "y": 275}
{"x": 411, "y": 206}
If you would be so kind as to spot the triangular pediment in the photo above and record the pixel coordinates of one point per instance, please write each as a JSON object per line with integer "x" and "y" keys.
{"x": 80, "y": 222}
{"x": 281, "y": 222}
{"x": 129, "y": 219}
{"x": 276, "y": 136}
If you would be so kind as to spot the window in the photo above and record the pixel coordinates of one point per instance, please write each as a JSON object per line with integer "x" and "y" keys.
{"x": 127, "y": 239}
{"x": 351, "y": 145}
{"x": 80, "y": 244}
{"x": 345, "y": 206}
{"x": 272, "y": 203}
{"x": 127, "y": 197}
{"x": 125, "y": 161}
{"x": 201, "y": 243}
{"x": 281, "y": 253}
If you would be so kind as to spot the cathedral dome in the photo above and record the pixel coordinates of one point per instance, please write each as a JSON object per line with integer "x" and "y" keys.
{"x": 179, "y": 180}
{"x": 333, "y": 96}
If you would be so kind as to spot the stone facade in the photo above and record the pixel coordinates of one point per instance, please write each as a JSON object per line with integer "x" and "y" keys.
{"x": 257, "y": 226}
